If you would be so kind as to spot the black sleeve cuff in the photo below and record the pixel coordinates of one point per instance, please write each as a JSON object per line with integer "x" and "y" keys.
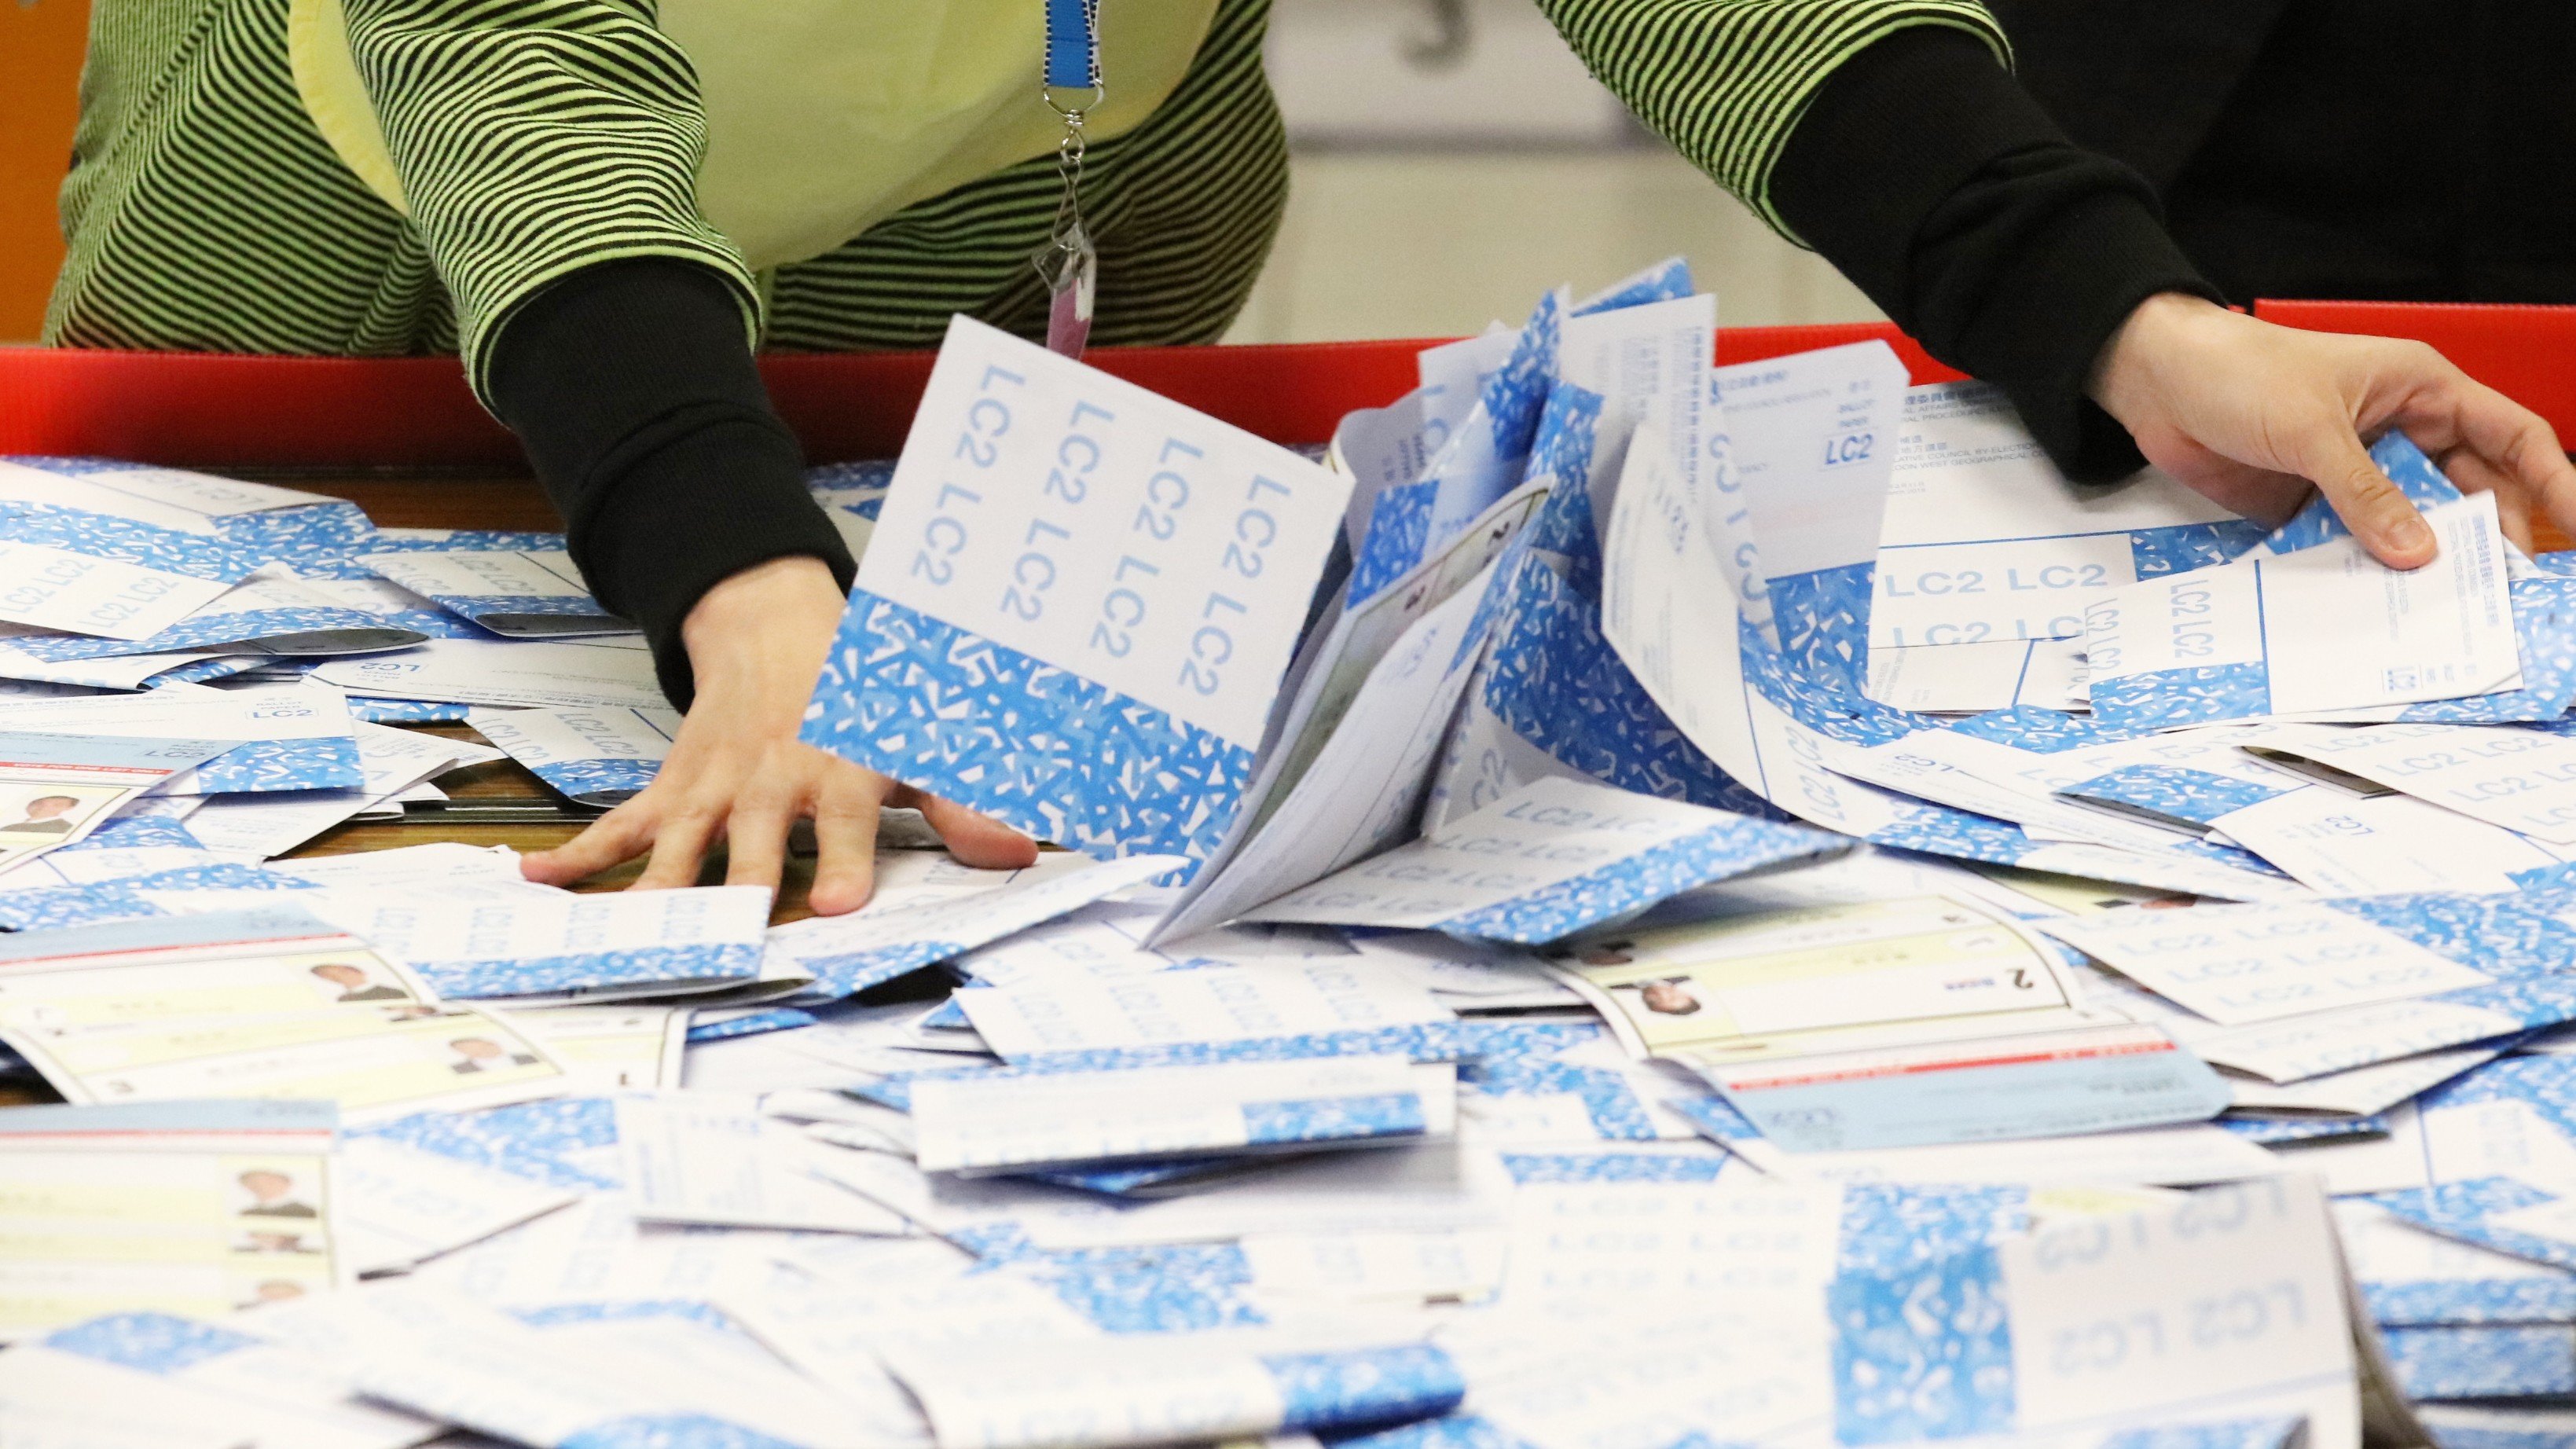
{"x": 1930, "y": 178}
{"x": 635, "y": 394}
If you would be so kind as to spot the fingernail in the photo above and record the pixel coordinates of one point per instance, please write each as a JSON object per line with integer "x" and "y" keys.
{"x": 2411, "y": 532}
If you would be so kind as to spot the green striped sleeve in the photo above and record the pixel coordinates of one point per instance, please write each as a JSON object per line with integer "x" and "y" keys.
{"x": 535, "y": 137}
{"x": 1726, "y": 80}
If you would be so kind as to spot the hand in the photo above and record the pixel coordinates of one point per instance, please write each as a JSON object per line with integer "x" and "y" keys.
{"x": 756, "y": 642}
{"x": 2249, "y": 415}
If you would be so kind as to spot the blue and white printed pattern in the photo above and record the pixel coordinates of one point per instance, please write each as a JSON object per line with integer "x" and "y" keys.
{"x": 1666, "y": 281}
{"x": 2275, "y": 1130}
{"x": 2169, "y": 698}
{"x": 152, "y": 1343}
{"x": 2429, "y": 1302}
{"x": 1732, "y": 848}
{"x": 1923, "y": 1354}
{"x": 2544, "y": 620}
{"x": 1354, "y": 1388}
{"x": 564, "y": 1142}
{"x": 1438, "y": 1041}
{"x": 752, "y": 1023}
{"x": 1333, "y": 1119}
{"x": 406, "y": 711}
{"x": 2175, "y": 792}
{"x": 1612, "y": 1166}
{"x": 99, "y": 535}
{"x": 930, "y": 704}
{"x": 2485, "y": 1361}
{"x": 2406, "y": 466}
{"x": 598, "y": 781}
{"x": 1823, "y": 621}
{"x": 55, "y": 907}
{"x": 588, "y": 970}
{"x": 261, "y": 766}
{"x": 1167, "y": 1288}
{"x": 211, "y": 630}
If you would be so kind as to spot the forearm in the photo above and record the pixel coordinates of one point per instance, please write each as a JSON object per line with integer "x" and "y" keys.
{"x": 1928, "y": 177}
{"x": 645, "y": 418}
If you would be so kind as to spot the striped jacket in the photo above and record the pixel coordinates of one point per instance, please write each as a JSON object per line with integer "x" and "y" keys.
{"x": 205, "y": 209}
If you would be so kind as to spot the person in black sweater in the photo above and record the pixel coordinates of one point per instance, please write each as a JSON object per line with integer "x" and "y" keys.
{"x": 2069, "y": 234}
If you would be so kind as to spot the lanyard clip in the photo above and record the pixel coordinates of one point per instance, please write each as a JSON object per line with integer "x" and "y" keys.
{"x": 1067, "y": 262}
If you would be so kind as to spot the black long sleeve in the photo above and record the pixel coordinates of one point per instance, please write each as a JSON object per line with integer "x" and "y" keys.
{"x": 632, "y": 387}
{"x": 1930, "y": 178}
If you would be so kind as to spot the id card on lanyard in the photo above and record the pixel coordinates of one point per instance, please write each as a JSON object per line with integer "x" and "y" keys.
{"x": 1071, "y": 88}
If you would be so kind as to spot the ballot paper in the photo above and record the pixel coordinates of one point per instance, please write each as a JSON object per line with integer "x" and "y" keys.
{"x": 1983, "y": 540}
{"x": 2228, "y": 1304}
{"x": 1885, "y": 1024}
{"x": 209, "y": 1375}
{"x": 120, "y": 847}
{"x": 376, "y": 1061}
{"x": 1256, "y": 1012}
{"x": 610, "y": 1048}
{"x": 57, "y": 788}
{"x": 592, "y": 755}
{"x": 714, "y": 1158}
{"x": 639, "y": 1379}
{"x": 237, "y": 965}
{"x": 2520, "y": 780}
{"x": 991, "y": 1121}
{"x": 2238, "y": 964}
{"x": 293, "y": 736}
{"x": 538, "y": 942}
{"x": 1544, "y": 862}
{"x": 2325, "y": 628}
{"x": 1069, "y": 523}
{"x": 270, "y": 611}
{"x": 399, "y": 1207}
{"x": 597, "y": 674}
{"x": 112, "y": 578}
{"x": 390, "y": 761}
{"x": 163, "y": 497}
{"x": 193, "y": 1207}
{"x": 1737, "y": 701}
{"x": 847, "y": 954}
{"x": 1100, "y": 1393}
{"x": 521, "y": 594}
{"x": 1810, "y": 440}
{"x": 2332, "y": 841}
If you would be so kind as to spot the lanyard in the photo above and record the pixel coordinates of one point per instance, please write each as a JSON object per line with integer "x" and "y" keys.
{"x": 1067, "y": 262}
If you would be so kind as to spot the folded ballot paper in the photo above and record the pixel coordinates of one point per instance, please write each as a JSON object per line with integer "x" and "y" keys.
{"x": 593, "y": 755}
{"x": 189, "y": 1207}
{"x": 517, "y": 594}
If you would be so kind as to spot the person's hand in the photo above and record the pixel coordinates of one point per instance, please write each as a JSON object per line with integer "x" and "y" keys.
{"x": 2250, "y": 415}
{"x": 736, "y": 771}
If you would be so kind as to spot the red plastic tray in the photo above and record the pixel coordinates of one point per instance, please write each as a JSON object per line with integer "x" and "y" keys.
{"x": 216, "y": 410}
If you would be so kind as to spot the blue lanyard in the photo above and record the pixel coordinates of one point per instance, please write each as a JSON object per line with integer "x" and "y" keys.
{"x": 1067, "y": 262}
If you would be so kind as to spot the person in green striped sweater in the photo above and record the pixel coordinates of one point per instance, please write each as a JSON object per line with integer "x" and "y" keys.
{"x": 605, "y": 206}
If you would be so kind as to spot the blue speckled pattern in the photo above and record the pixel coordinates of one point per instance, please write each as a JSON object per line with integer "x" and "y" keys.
{"x": 1329, "y": 1119}
{"x": 542, "y": 975}
{"x": 154, "y": 1343}
{"x": 1729, "y": 848}
{"x": 1924, "y": 1353}
{"x": 539, "y": 1140}
{"x": 262, "y": 766}
{"x": 2170, "y": 698}
{"x": 2175, "y": 791}
{"x": 1364, "y": 1386}
{"x": 912, "y": 697}
{"x": 671, "y": 1431}
{"x": 1615, "y": 1166}
{"x": 2483, "y": 1361}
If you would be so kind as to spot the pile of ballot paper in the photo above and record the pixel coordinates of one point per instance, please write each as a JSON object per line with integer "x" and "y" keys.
{"x": 1632, "y": 904}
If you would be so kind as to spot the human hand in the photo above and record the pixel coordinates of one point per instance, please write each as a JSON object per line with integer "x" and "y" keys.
{"x": 736, "y": 770}
{"x": 2250, "y": 415}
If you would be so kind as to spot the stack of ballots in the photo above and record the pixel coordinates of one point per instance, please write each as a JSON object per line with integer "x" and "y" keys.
{"x": 1633, "y": 904}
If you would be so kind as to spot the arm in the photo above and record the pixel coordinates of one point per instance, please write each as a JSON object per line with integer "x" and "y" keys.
{"x": 548, "y": 164}
{"x": 1915, "y": 163}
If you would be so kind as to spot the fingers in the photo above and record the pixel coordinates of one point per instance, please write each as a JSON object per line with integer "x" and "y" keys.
{"x": 976, "y": 840}
{"x": 2380, "y": 516}
{"x": 2517, "y": 450}
{"x": 756, "y": 835}
{"x": 845, "y": 840}
{"x": 680, "y": 845}
{"x": 613, "y": 839}
{"x": 2474, "y": 474}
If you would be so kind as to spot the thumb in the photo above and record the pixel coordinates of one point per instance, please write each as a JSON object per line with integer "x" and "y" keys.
{"x": 2379, "y": 515}
{"x": 975, "y": 839}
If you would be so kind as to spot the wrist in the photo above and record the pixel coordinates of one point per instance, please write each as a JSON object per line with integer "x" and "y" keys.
{"x": 792, "y": 601}
{"x": 2124, "y": 371}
